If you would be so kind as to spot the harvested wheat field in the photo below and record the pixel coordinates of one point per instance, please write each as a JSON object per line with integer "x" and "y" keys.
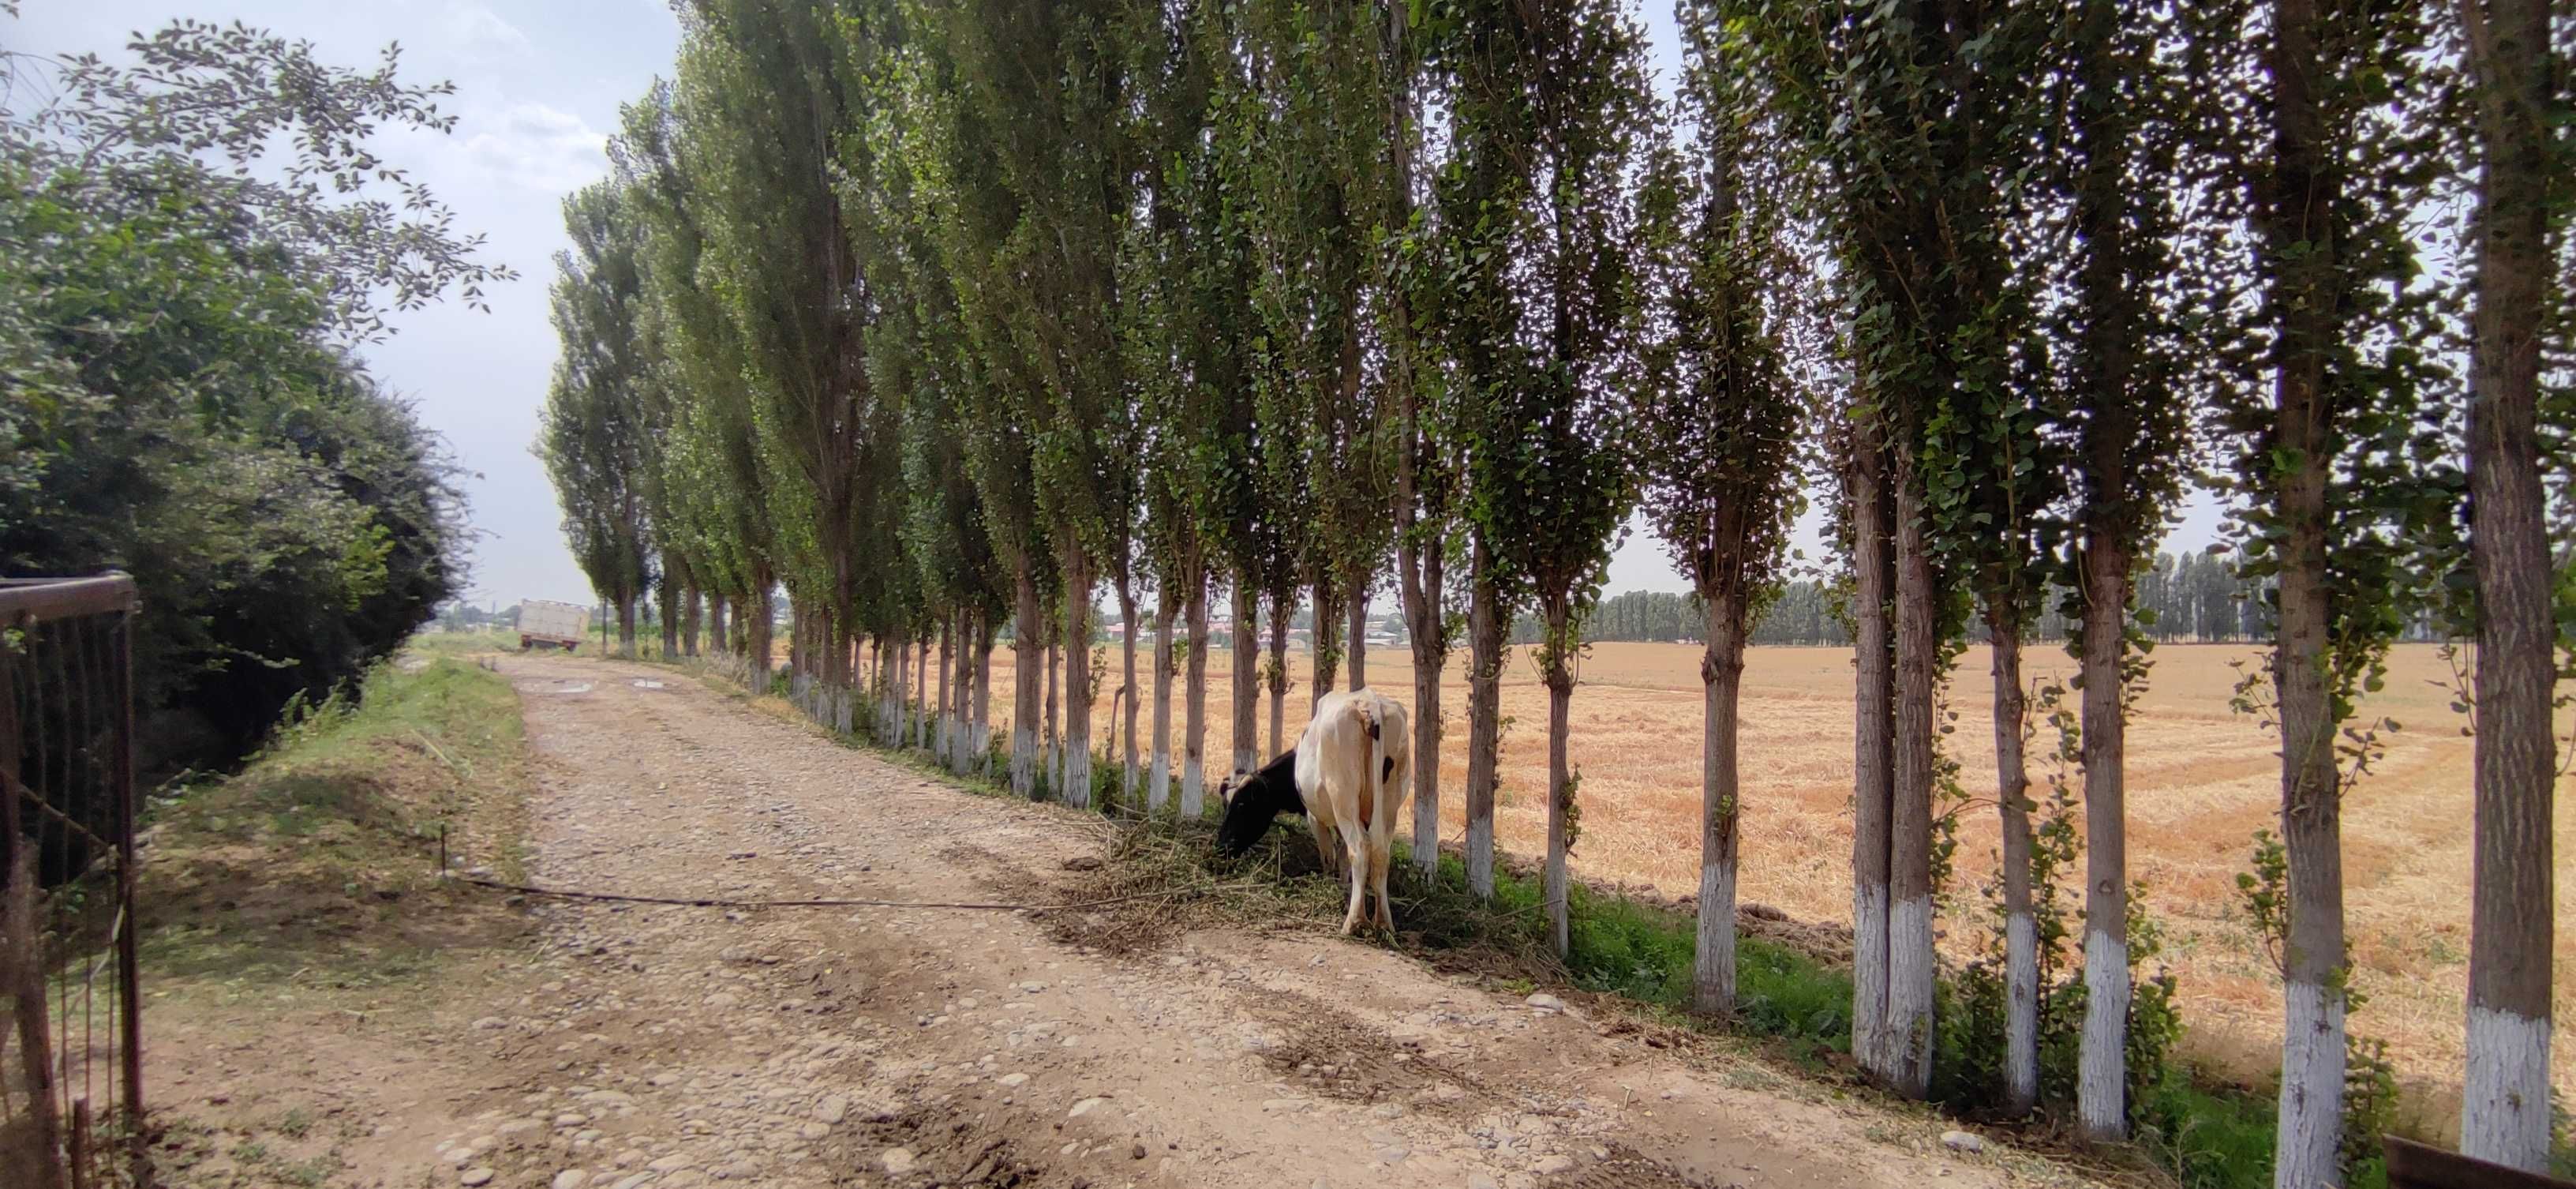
{"x": 2202, "y": 780}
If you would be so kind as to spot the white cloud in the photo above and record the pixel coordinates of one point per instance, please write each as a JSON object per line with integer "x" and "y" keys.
{"x": 537, "y": 147}
{"x": 480, "y": 28}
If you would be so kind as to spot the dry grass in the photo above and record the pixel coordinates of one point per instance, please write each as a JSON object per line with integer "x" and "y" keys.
{"x": 2202, "y": 779}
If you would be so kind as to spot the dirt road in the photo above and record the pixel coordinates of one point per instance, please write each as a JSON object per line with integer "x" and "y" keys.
{"x": 667, "y": 1047}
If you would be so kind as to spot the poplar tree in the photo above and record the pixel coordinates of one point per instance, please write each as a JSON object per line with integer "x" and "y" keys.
{"x": 761, "y": 105}
{"x": 1901, "y": 110}
{"x": 593, "y": 433}
{"x": 1560, "y": 91}
{"x": 2327, "y": 451}
{"x": 1315, "y": 194}
{"x": 2517, "y": 84}
{"x": 1718, "y": 427}
{"x": 2133, "y": 368}
{"x": 1046, "y": 85}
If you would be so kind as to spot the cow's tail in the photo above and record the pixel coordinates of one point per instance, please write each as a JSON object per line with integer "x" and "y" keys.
{"x": 1376, "y": 772}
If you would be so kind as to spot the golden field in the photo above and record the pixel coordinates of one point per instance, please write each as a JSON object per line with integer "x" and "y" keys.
{"x": 2202, "y": 780}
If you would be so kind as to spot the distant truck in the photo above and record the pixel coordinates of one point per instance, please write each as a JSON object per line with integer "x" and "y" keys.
{"x": 544, "y": 624}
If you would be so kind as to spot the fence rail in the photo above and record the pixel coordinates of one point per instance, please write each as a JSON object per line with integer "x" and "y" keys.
{"x": 2416, "y": 1166}
{"x": 71, "y": 1054}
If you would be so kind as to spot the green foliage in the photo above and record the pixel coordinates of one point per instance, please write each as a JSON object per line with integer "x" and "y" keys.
{"x": 1969, "y": 1070}
{"x": 2264, "y": 894}
{"x": 183, "y": 407}
{"x": 598, "y": 435}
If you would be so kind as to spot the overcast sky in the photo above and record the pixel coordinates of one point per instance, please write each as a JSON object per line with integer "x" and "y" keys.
{"x": 538, "y": 86}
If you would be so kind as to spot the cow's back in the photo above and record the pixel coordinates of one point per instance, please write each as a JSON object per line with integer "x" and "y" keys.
{"x": 1334, "y": 758}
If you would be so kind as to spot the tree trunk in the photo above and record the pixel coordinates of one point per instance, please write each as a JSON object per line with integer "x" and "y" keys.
{"x": 1194, "y": 731}
{"x": 1158, "y": 784}
{"x": 1428, "y": 659}
{"x": 756, "y": 634}
{"x": 626, "y": 626}
{"x": 670, "y": 607}
{"x": 2504, "y": 1113}
{"x": 901, "y": 736}
{"x": 1077, "y": 675}
{"x": 979, "y": 736}
{"x": 1129, "y": 777}
{"x": 921, "y": 693}
{"x": 1247, "y": 677}
{"x": 1328, "y": 642}
{"x": 716, "y": 636}
{"x": 2101, "y": 1080}
{"x": 1357, "y": 632}
{"x": 1282, "y": 609}
{"x": 1873, "y": 750}
{"x": 1054, "y": 751}
{"x": 1560, "y": 776}
{"x": 1484, "y": 716}
{"x": 689, "y": 622}
{"x": 1027, "y": 660}
{"x": 1910, "y": 968}
{"x": 2305, "y": 187}
{"x": 1722, "y": 676}
{"x": 2021, "y": 928}
{"x": 943, "y": 724}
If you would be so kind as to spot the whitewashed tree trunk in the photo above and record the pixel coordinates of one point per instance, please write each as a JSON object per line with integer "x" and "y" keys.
{"x": 1158, "y": 785}
{"x": 1873, "y": 755}
{"x": 1484, "y": 722}
{"x": 1077, "y": 677}
{"x": 2101, "y": 1081}
{"x": 1194, "y": 697}
{"x": 1129, "y": 776}
{"x": 1911, "y": 969}
{"x": 2021, "y": 929}
{"x": 1027, "y": 663}
{"x": 1722, "y": 682}
{"x": 2504, "y": 1111}
{"x": 979, "y": 732}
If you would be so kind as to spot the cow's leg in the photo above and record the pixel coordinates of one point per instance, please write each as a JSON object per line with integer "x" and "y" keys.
{"x": 1381, "y": 850}
{"x": 1328, "y": 845}
{"x": 1358, "y": 859}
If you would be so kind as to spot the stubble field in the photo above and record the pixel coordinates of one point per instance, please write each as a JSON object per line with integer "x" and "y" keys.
{"x": 2202, "y": 779}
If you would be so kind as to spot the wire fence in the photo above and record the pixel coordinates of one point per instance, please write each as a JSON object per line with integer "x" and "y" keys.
{"x": 71, "y": 1084}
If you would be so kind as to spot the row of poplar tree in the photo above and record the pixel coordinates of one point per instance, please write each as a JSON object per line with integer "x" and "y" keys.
{"x": 941, "y": 316}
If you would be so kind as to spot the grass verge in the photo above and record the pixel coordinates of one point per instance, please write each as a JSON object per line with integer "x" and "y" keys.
{"x": 316, "y": 866}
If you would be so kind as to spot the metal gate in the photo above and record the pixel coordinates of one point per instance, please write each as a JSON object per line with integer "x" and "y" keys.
{"x": 71, "y": 1056}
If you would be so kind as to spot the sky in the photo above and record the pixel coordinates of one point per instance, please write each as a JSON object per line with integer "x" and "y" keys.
{"x": 538, "y": 87}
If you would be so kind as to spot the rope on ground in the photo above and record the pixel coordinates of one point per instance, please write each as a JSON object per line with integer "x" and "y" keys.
{"x": 708, "y": 902}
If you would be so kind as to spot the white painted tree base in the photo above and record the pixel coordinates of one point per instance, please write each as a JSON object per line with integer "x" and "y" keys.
{"x": 2102, "y": 1063}
{"x": 2504, "y": 1105}
{"x": 1869, "y": 978}
{"x": 2021, "y": 1011}
{"x": 1193, "y": 788}
{"x": 2311, "y": 1119}
{"x": 1910, "y": 994}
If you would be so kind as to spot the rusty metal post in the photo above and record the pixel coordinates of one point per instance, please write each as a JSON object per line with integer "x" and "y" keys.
{"x": 129, "y": 980}
{"x": 80, "y": 1156}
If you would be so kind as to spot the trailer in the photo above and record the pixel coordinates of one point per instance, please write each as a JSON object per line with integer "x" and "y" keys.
{"x": 545, "y": 624}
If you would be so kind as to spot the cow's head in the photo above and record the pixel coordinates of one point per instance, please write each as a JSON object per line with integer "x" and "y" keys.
{"x": 1252, "y": 801}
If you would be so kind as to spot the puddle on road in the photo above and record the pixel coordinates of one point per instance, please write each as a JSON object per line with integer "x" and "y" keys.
{"x": 552, "y": 687}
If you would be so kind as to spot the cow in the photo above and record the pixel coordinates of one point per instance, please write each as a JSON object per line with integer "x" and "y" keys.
{"x": 1347, "y": 775}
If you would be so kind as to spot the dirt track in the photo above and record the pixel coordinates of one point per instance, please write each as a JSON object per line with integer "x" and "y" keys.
{"x": 663, "y": 1047}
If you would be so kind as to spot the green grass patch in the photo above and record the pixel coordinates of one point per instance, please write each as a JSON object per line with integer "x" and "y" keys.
{"x": 316, "y": 866}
